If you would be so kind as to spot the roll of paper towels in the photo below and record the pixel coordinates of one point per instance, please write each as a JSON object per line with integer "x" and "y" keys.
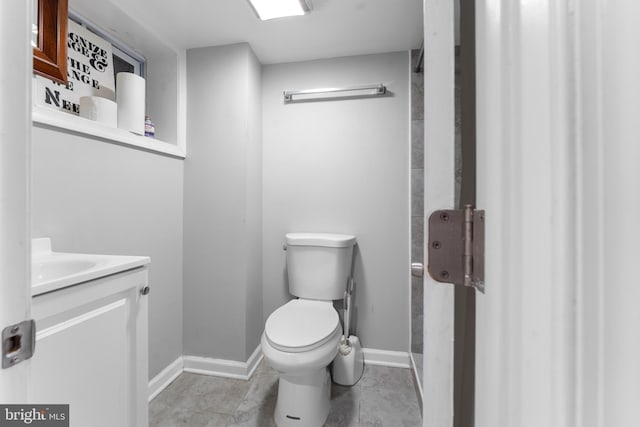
{"x": 130, "y": 93}
{"x": 101, "y": 110}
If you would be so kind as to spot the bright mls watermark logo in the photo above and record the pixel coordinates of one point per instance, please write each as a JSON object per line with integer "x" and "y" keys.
{"x": 34, "y": 415}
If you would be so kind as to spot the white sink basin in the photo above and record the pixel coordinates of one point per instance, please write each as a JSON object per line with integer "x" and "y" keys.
{"x": 54, "y": 270}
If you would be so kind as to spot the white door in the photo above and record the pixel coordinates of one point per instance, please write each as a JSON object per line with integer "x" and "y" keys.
{"x": 15, "y": 130}
{"x": 558, "y": 100}
{"x": 524, "y": 147}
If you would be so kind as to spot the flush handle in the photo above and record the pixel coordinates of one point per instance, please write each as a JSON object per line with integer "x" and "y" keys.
{"x": 417, "y": 269}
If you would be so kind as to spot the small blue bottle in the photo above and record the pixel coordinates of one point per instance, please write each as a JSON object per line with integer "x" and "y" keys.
{"x": 149, "y": 127}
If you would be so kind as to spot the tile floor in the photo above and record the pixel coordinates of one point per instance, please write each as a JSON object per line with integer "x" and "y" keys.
{"x": 384, "y": 397}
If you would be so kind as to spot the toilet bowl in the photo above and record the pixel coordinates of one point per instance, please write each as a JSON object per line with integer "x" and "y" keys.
{"x": 301, "y": 357}
{"x": 301, "y": 337}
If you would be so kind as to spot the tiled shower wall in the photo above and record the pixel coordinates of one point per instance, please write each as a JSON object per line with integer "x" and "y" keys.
{"x": 417, "y": 203}
{"x": 417, "y": 191}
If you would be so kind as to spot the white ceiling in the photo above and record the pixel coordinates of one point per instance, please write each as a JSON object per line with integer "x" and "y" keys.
{"x": 333, "y": 28}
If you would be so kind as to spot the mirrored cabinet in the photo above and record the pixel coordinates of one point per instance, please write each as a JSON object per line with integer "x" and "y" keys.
{"x": 49, "y": 39}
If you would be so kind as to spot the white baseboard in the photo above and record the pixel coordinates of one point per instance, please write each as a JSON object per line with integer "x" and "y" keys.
{"x": 254, "y": 360}
{"x": 164, "y": 378}
{"x": 393, "y": 359}
{"x": 223, "y": 368}
{"x": 417, "y": 380}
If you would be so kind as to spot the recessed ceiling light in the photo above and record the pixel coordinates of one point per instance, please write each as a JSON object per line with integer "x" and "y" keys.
{"x": 270, "y": 9}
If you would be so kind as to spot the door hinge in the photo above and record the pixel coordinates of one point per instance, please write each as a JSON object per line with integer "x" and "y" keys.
{"x": 18, "y": 343}
{"x": 456, "y": 247}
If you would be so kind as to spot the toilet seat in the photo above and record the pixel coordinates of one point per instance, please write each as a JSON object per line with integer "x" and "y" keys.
{"x": 302, "y": 325}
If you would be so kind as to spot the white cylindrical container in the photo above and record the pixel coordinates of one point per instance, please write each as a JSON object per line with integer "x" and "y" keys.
{"x": 99, "y": 109}
{"x": 130, "y": 95}
{"x": 348, "y": 366}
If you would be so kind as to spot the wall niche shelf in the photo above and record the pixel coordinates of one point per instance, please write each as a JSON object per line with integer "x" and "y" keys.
{"x": 165, "y": 77}
{"x": 68, "y": 122}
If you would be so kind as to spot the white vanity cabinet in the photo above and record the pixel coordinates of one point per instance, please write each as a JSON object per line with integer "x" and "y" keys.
{"x": 91, "y": 350}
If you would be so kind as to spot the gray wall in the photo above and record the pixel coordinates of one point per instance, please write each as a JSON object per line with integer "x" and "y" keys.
{"x": 97, "y": 197}
{"x": 342, "y": 166}
{"x": 339, "y": 166}
{"x": 223, "y": 198}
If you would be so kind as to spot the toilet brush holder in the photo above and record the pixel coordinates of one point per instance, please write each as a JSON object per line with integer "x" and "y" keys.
{"x": 348, "y": 365}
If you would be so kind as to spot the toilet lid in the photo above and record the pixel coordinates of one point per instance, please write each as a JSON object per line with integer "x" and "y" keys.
{"x": 301, "y": 325}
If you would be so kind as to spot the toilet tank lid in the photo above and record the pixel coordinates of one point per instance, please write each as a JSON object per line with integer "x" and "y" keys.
{"x": 329, "y": 240}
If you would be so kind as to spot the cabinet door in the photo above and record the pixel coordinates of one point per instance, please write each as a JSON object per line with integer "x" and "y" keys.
{"x": 91, "y": 351}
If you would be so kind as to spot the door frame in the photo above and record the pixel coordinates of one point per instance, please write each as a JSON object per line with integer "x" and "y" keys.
{"x": 15, "y": 137}
{"x": 439, "y": 188}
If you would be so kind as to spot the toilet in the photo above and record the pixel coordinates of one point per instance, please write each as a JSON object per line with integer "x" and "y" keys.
{"x": 300, "y": 339}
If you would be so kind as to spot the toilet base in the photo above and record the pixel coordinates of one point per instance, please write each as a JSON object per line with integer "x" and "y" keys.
{"x": 303, "y": 399}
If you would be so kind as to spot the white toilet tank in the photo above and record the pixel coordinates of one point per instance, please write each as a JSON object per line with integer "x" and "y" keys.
{"x": 319, "y": 264}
